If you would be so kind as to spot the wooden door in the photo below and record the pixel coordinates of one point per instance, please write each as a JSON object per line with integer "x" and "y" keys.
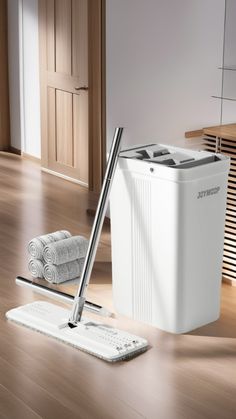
{"x": 68, "y": 88}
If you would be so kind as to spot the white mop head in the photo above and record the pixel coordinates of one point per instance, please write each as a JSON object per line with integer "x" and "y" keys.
{"x": 95, "y": 338}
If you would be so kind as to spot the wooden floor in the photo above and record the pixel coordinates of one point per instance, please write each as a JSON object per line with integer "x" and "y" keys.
{"x": 180, "y": 377}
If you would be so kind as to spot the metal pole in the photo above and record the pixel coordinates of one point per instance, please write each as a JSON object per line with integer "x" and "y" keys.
{"x": 61, "y": 296}
{"x": 79, "y": 299}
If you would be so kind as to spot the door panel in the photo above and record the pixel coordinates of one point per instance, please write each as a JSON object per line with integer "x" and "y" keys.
{"x": 47, "y": 28}
{"x": 80, "y": 40}
{"x": 63, "y": 39}
{"x": 68, "y": 133}
{"x": 64, "y": 129}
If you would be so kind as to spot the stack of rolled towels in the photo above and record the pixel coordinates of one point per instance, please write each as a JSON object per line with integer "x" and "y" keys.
{"x": 57, "y": 257}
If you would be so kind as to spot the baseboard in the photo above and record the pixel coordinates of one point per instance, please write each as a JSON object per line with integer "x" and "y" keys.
{"x": 18, "y": 152}
{"x": 29, "y": 157}
{"x": 14, "y": 150}
{"x": 51, "y": 172}
{"x": 91, "y": 213}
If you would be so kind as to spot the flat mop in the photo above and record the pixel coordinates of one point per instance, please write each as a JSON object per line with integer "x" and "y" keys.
{"x": 98, "y": 339}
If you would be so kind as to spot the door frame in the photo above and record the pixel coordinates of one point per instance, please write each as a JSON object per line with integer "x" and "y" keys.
{"x": 96, "y": 93}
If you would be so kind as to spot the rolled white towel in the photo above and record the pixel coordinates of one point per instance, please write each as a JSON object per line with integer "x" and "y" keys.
{"x": 36, "y": 245}
{"x": 36, "y": 268}
{"x": 66, "y": 250}
{"x": 55, "y": 274}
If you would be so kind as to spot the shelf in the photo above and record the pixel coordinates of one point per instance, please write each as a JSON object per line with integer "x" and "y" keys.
{"x": 226, "y": 131}
{"x": 224, "y": 98}
{"x": 228, "y": 68}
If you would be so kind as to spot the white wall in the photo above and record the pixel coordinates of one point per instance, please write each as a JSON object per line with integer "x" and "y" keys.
{"x": 14, "y": 72}
{"x": 24, "y": 75}
{"x": 162, "y": 60}
{"x": 229, "y": 87}
{"x": 31, "y": 86}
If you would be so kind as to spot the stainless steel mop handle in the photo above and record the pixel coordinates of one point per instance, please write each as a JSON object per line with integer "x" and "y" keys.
{"x": 79, "y": 299}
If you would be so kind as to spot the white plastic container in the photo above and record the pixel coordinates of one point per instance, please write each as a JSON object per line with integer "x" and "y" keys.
{"x": 167, "y": 230}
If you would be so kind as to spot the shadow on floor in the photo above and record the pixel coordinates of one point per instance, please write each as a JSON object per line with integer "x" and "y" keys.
{"x": 224, "y": 327}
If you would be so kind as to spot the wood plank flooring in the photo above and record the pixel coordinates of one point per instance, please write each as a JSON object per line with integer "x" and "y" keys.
{"x": 190, "y": 376}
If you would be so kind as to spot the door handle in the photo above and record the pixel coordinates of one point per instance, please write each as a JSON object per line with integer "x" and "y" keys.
{"x": 81, "y": 88}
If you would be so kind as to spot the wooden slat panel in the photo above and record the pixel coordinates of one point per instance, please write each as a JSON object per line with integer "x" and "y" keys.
{"x": 231, "y": 195}
{"x": 230, "y": 236}
{"x": 231, "y": 187}
{"x": 64, "y": 130}
{"x": 230, "y": 230}
{"x": 63, "y": 35}
{"x": 224, "y": 150}
{"x": 229, "y": 263}
{"x": 209, "y": 149}
{"x": 227, "y": 143}
{"x": 80, "y": 124}
{"x": 230, "y": 267}
{"x": 80, "y": 40}
{"x": 229, "y": 224}
{"x": 209, "y": 144}
{"x": 228, "y": 148}
{"x": 227, "y": 131}
{"x": 228, "y": 274}
{"x": 229, "y": 252}
{"x": 227, "y": 269}
{"x": 230, "y": 245}
{"x": 230, "y": 221}
{"x": 209, "y": 138}
{"x": 229, "y": 248}
{"x": 231, "y": 198}
{"x": 231, "y": 210}
{"x": 232, "y": 204}
{"x": 232, "y": 177}
{"x": 230, "y": 241}
{"x": 231, "y": 217}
